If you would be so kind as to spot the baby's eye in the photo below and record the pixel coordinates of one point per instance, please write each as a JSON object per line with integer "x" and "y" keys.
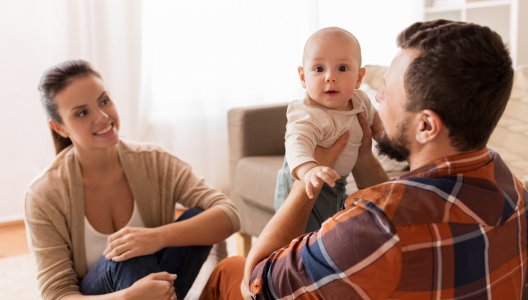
{"x": 319, "y": 69}
{"x": 81, "y": 113}
{"x": 343, "y": 69}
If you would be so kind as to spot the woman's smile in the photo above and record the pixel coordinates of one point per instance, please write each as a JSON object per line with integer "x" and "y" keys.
{"x": 105, "y": 130}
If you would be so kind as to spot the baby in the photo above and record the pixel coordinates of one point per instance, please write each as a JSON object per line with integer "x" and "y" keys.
{"x": 331, "y": 74}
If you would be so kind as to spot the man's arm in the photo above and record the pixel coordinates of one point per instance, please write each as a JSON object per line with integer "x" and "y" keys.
{"x": 288, "y": 223}
{"x": 290, "y": 220}
{"x": 354, "y": 255}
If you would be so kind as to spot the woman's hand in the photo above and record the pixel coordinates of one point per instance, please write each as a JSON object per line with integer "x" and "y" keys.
{"x": 132, "y": 242}
{"x": 156, "y": 286}
{"x": 328, "y": 156}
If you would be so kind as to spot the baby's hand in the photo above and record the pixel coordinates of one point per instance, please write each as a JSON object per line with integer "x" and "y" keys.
{"x": 318, "y": 175}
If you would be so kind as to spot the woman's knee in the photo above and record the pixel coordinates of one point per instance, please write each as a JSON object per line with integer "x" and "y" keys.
{"x": 189, "y": 213}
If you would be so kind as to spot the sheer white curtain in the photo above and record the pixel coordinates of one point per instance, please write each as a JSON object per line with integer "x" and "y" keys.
{"x": 201, "y": 58}
{"x": 37, "y": 34}
{"x": 108, "y": 35}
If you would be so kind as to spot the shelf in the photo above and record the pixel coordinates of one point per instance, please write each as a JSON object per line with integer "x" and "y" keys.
{"x": 491, "y": 3}
{"x": 506, "y": 17}
{"x": 453, "y": 15}
{"x": 469, "y": 5}
{"x": 443, "y": 8}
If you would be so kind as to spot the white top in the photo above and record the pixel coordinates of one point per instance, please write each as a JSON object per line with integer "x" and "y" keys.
{"x": 95, "y": 241}
{"x": 310, "y": 125}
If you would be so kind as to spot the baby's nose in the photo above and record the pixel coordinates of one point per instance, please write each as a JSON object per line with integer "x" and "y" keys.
{"x": 330, "y": 77}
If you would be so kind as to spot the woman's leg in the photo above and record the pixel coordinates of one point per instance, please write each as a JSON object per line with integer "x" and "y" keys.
{"x": 107, "y": 276}
{"x": 185, "y": 262}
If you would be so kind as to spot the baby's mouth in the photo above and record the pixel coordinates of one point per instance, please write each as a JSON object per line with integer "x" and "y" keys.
{"x": 331, "y": 93}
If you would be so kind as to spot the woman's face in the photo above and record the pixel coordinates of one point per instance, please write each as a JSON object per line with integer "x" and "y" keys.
{"x": 89, "y": 117}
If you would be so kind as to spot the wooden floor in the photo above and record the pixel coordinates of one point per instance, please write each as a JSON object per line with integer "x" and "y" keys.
{"x": 13, "y": 239}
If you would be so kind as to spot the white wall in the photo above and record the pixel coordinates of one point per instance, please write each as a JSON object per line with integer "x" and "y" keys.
{"x": 375, "y": 23}
{"x": 36, "y": 34}
{"x": 26, "y": 147}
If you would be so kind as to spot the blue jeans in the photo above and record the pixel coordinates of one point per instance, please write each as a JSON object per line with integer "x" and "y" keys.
{"x": 108, "y": 276}
{"x": 327, "y": 204}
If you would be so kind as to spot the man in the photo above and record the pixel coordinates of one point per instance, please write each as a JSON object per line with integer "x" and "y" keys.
{"x": 453, "y": 227}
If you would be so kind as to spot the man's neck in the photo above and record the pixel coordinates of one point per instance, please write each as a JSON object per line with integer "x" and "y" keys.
{"x": 425, "y": 154}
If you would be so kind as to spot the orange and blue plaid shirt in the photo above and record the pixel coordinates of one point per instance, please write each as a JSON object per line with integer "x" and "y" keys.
{"x": 453, "y": 229}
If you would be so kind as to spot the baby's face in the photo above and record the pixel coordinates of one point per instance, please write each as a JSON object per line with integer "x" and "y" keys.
{"x": 331, "y": 70}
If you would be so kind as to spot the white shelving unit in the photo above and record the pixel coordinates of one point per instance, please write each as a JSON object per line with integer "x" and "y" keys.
{"x": 509, "y": 18}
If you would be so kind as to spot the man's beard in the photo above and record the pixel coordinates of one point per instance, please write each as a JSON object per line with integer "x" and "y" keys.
{"x": 396, "y": 149}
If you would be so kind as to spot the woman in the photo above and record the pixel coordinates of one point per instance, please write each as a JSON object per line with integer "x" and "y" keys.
{"x": 100, "y": 217}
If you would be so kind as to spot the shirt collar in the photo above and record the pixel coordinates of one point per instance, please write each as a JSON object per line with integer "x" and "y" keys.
{"x": 455, "y": 164}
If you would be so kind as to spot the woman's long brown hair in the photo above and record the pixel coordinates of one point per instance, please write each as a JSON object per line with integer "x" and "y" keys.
{"x": 54, "y": 80}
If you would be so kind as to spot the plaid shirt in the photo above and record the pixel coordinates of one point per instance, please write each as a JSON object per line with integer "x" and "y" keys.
{"x": 455, "y": 228}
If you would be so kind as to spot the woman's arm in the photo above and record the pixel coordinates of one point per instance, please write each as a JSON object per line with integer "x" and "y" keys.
{"x": 207, "y": 228}
{"x": 54, "y": 257}
{"x": 47, "y": 242}
{"x": 217, "y": 222}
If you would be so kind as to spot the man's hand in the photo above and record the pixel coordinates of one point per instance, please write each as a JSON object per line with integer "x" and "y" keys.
{"x": 328, "y": 156}
{"x": 366, "y": 141}
{"x": 317, "y": 176}
{"x": 244, "y": 290}
{"x": 132, "y": 242}
{"x": 367, "y": 171}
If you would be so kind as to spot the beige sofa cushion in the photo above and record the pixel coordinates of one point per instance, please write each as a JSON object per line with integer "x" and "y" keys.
{"x": 510, "y": 138}
{"x": 255, "y": 179}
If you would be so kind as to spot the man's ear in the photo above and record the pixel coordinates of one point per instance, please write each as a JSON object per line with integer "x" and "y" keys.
{"x": 301, "y": 76}
{"x": 429, "y": 126}
{"x": 361, "y": 74}
{"x": 58, "y": 128}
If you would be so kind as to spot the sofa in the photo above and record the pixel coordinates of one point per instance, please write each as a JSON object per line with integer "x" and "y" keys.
{"x": 256, "y": 141}
{"x": 510, "y": 137}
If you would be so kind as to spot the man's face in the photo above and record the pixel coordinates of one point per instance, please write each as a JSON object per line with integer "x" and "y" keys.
{"x": 331, "y": 70}
{"x": 395, "y": 141}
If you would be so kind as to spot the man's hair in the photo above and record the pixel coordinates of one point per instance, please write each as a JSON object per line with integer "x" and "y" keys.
{"x": 463, "y": 73}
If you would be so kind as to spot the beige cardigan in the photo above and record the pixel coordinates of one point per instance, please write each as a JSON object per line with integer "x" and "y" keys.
{"x": 54, "y": 208}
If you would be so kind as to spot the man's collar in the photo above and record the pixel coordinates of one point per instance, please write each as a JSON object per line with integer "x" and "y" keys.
{"x": 455, "y": 164}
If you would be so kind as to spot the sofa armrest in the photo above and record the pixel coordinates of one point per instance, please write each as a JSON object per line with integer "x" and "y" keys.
{"x": 256, "y": 131}
{"x": 374, "y": 76}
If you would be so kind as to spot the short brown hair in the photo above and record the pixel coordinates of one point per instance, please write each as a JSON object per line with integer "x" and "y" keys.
{"x": 54, "y": 80}
{"x": 463, "y": 73}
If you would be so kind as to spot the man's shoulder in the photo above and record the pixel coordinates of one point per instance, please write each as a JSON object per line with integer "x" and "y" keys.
{"x": 482, "y": 192}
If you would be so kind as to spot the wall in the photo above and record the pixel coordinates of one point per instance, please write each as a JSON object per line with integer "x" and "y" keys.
{"x": 26, "y": 148}
{"x": 36, "y": 34}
